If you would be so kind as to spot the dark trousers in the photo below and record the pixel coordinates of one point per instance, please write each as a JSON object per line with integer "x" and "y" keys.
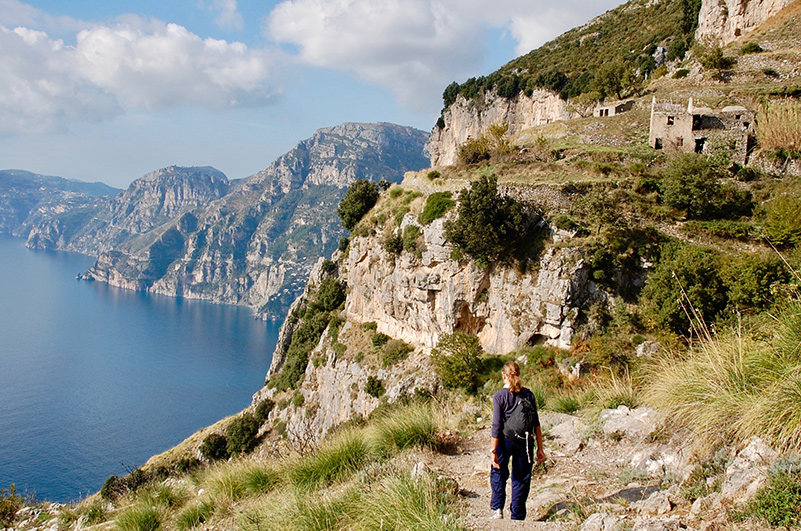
{"x": 508, "y": 451}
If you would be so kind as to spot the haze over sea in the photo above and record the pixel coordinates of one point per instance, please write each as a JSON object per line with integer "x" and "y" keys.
{"x": 94, "y": 377}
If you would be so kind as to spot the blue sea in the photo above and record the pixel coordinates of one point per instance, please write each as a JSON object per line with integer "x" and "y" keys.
{"x": 95, "y": 379}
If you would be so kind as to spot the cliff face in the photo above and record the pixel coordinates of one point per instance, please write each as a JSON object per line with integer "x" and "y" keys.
{"x": 255, "y": 246}
{"x": 99, "y": 226}
{"x": 418, "y": 299}
{"x": 723, "y": 21}
{"x": 466, "y": 119}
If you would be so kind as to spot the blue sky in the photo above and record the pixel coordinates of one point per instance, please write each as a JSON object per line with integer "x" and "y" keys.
{"x": 108, "y": 91}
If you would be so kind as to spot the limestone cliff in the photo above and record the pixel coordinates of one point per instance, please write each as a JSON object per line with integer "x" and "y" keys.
{"x": 255, "y": 245}
{"x": 724, "y": 21}
{"x": 417, "y": 298}
{"x": 149, "y": 202}
{"x": 466, "y": 119}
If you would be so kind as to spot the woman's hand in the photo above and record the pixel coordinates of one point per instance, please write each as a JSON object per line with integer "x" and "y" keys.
{"x": 495, "y": 463}
{"x": 540, "y": 455}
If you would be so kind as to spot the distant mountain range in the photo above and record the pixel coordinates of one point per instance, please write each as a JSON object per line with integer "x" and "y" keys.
{"x": 191, "y": 232}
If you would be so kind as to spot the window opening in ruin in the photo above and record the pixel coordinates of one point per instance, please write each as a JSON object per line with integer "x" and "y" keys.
{"x": 699, "y": 145}
{"x": 658, "y": 143}
{"x": 670, "y": 120}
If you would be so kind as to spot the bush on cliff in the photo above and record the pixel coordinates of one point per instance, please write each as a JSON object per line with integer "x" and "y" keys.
{"x": 359, "y": 199}
{"x": 242, "y": 434}
{"x": 215, "y": 447}
{"x": 458, "y": 361}
{"x": 437, "y": 204}
{"x": 489, "y": 225}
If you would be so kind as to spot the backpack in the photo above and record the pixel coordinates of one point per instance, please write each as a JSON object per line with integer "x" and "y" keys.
{"x": 522, "y": 422}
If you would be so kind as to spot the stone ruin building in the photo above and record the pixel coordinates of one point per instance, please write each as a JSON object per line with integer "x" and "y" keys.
{"x": 702, "y": 130}
{"x": 613, "y": 109}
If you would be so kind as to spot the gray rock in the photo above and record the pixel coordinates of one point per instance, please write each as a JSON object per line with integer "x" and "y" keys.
{"x": 601, "y": 522}
{"x": 656, "y": 505}
{"x": 568, "y": 435}
{"x": 748, "y": 472}
{"x": 633, "y": 424}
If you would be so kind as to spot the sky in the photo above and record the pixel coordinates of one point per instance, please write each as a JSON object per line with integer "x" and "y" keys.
{"x": 109, "y": 91}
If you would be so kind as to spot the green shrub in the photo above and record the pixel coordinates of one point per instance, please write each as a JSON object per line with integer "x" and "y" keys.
{"x": 358, "y": 200}
{"x": 370, "y": 325}
{"x": 394, "y": 352}
{"x": 689, "y": 270}
{"x": 379, "y": 339}
{"x": 458, "y": 361}
{"x": 475, "y": 150}
{"x": 489, "y": 225}
{"x": 330, "y": 295}
{"x": 691, "y": 185}
{"x": 343, "y": 244}
{"x": 242, "y": 434}
{"x": 782, "y": 221}
{"x": 727, "y": 229}
{"x": 394, "y": 244}
{"x": 10, "y": 503}
{"x": 215, "y": 447}
{"x": 433, "y": 174}
{"x": 778, "y": 502}
{"x": 263, "y": 410}
{"x": 298, "y": 400}
{"x": 750, "y": 47}
{"x": 564, "y": 404}
{"x": 374, "y": 387}
{"x": 410, "y": 235}
{"x": 752, "y": 279}
{"x": 681, "y": 73}
{"x": 437, "y": 204}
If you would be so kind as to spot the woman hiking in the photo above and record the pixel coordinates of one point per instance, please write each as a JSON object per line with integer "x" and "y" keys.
{"x": 514, "y": 409}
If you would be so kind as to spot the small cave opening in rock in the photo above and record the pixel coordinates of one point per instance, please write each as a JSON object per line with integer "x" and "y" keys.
{"x": 536, "y": 339}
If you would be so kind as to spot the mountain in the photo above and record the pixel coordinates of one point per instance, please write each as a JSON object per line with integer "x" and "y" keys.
{"x": 23, "y": 192}
{"x": 256, "y": 244}
{"x": 92, "y": 227}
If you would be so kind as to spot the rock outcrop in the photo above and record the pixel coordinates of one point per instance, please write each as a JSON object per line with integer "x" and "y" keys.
{"x": 723, "y": 21}
{"x": 466, "y": 119}
{"x": 417, "y": 297}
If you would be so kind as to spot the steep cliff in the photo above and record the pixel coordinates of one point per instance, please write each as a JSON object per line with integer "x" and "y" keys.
{"x": 724, "y": 21}
{"x": 150, "y": 201}
{"x": 416, "y": 297}
{"x": 255, "y": 246}
{"x": 466, "y": 119}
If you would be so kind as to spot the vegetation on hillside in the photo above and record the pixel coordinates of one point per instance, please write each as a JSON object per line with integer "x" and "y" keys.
{"x": 608, "y": 54}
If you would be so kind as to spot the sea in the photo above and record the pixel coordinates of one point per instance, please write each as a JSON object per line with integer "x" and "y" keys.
{"x": 94, "y": 380}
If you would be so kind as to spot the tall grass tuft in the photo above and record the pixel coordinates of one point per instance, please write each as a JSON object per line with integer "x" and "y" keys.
{"x": 193, "y": 515}
{"x": 733, "y": 386}
{"x": 140, "y": 517}
{"x": 403, "y": 428}
{"x": 779, "y": 128}
{"x": 336, "y": 460}
{"x": 230, "y": 482}
{"x": 299, "y": 510}
{"x": 403, "y": 502}
{"x": 616, "y": 390}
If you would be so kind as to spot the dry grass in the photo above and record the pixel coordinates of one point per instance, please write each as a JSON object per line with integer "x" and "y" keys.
{"x": 779, "y": 127}
{"x": 736, "y": 385}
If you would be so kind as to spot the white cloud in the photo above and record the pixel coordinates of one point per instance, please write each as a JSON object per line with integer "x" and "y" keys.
{"x": 416, "y": 47}
{"x": 227, "y": 13}
{"x": 134, "y": 64}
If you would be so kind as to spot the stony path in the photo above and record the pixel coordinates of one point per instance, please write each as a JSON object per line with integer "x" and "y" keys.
{"x": 616, "y": 477}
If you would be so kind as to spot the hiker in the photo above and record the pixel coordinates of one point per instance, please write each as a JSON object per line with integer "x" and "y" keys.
{"x": 515, "y": 426}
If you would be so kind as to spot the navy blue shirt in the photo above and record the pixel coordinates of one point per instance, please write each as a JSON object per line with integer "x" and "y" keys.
{"x": 503, "y": 402}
